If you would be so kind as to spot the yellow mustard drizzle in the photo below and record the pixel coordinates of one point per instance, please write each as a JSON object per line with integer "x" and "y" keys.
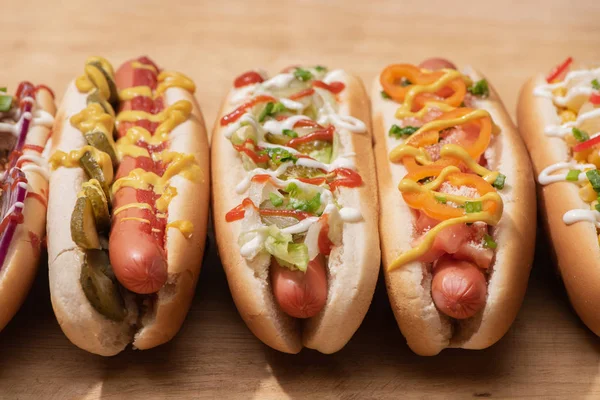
{"x": 407, "y": 185}
{"x": 72, "y": 159}
{"x": 130, "y": 93}
{"x": 142, "y": 220}
{"x": 169, "y": 79}
{"x": 138, "y": 65}
{"x": 162, "y": 203}
{"x": 404, "y": 109}
{"x": 93, "y": 118}
{"x": 93, "y": 77}
{"x": 144, "y": 206}
{"x": 131, "y": 150}
{"x": 448, "y": 150}
{"x": 185, "y": 227}
{"x": 180, "y": 164}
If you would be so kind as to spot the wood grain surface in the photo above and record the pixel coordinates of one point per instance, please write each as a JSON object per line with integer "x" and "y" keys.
{"x": 548, "y": 353}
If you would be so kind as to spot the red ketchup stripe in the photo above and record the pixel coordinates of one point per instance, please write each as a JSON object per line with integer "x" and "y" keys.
{"x": 241, "y": 110}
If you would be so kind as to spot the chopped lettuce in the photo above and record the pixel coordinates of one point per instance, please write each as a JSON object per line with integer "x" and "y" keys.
{"x": 302, "y": 201}
{"x": 282, "y": 247}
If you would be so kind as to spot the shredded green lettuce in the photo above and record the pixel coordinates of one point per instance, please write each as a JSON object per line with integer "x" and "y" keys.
{"x": 281, "y": 246}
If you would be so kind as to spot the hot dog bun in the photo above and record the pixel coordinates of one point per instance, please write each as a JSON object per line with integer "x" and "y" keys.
{"x": 575, "y": 246}
{"x": 353, "y": 266}
{"x": 148, "y": 327}
{"x": 426, "y": 329}
{"x": 21, "y": 263}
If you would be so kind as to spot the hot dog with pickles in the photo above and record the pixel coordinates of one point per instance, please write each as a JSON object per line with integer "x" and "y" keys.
{"x": 130, "y": 175}
{"x": 457, "y": 202}
{"x": 295, "y": 205}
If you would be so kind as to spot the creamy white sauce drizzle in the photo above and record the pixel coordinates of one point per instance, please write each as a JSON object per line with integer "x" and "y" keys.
{"x": 326, "y": 115}
{"x": 549, "y": 175}
{"x": 573, "y": 216}
{"x": 577, "y": 83}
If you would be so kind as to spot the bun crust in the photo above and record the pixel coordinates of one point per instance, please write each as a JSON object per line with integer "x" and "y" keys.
{"x": 353, "y": 267}
{"x": 575, "y": 246}
{"x": 426, "y": 330}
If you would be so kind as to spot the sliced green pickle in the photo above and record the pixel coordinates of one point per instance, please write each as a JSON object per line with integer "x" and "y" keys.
{"x": 94, "y": 97}
{"x": 277, "y": 139}
{"x": 83, "y": 225}
{"x": 298, "y": 171}
{"x": 93, "y": 191}
{"x": 100, "y": 141}
{"x": 114, "y": 95}
{"x": 100, "y": 285}
{"x": 94, "y": 171}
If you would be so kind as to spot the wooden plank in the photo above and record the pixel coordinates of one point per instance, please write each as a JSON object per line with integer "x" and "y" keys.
{"x": 548, "y": 353}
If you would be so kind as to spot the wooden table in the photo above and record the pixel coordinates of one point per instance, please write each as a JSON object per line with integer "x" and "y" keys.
{"x": 547, "y": 353}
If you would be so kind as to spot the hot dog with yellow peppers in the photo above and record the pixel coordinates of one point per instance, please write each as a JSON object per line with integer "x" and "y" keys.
{"x": 295, "y": 205}
{"x": 128, "y": 205}
{"x": 457, "y": 202}
{"x": 559, "y": 118}
{"x": 25, "y": 126}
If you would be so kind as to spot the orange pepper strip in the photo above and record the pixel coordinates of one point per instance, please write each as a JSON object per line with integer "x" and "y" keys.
{"x": 427, "y": 137}
{"x": 392, "y": 75}
{"x": 426, "y": 200}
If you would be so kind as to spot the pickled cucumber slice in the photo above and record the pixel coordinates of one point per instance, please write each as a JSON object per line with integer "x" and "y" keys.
{"x": 94, "y": 171}
{"x": 93, "y": 191}
{"x": 100, "y": 285}
{"x": 114, "y": 95}
{"x": 100, "y": 141}
{"x": 83, "y": 225}
{"x": 94, "y": 97}
{"x": 277, "y": 139}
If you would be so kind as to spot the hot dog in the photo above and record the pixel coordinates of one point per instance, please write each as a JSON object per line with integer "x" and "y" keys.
{"x": 130, "y": 173}
{"x": 559, "y": 118}
{"x": 25, "y": 127}
{"x": 295, "y": 206}
{"x": 457, "y": 245}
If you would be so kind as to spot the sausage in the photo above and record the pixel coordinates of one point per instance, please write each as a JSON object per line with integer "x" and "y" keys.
{"x": 458, "y": 288}
{"x": 136, "y": 243}
{"x": 436, "y": 63}
{"x": 300, "y": 294}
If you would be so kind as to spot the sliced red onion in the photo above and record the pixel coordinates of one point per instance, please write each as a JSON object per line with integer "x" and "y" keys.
{"x": 14, "y": 181}
{"x": 14, "y": 192}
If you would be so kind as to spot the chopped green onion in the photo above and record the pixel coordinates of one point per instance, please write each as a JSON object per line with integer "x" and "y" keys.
{"x": 5, "y": 103}
{"x": 480, "y": 88}
{"x": 275, "y": 200}
{"x": 270, "y": 110}
{"x": 596, "y": 84}
{"x": 580, "y": 136}
{"x": 395, "y": 130}
{"x": 385, "y": 95}
{"x": 489, "y": 242}
{"x": 320, "y": 68}
{"x": 499, "y": 182}
{"x": 473, "y": 207}
{"x": 573, "y": 175}
{"x": 594, "y": 178}
{"x": 302, "y": 74}
{"x": 3, "y": 89}
{"x": 290, "y": 133}
{"x": 279, "y": 155}
{"x": 441, "y": 199}
{"x": 278, "y": 107}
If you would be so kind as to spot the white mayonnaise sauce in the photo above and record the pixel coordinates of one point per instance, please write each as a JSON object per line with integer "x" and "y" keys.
{"x": 548, "y": 175}
{"x": 327, "y": 114}
{"x": 577, "y": 84}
